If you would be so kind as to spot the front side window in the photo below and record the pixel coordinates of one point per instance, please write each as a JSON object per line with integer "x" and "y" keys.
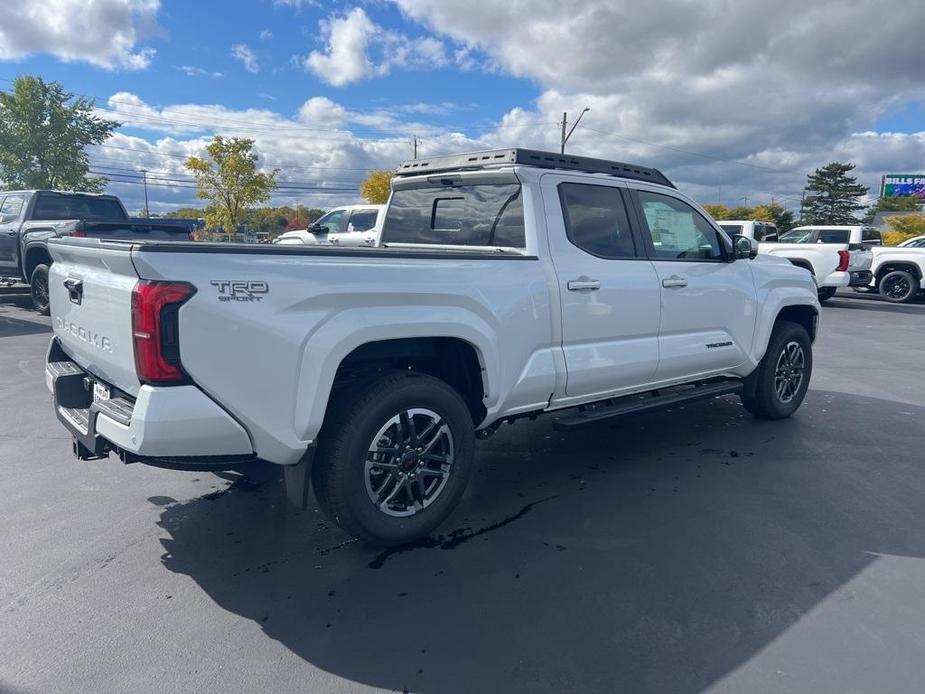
{"x": 332, "y": 221}
{"x": 596, "y": 221}
{"x": 797, "y": 236}
{"x": 473, "y": 215}
{"x": 12, "y": 205}
{"x": 678, "y": 231}
{"x": 363, "y": 220}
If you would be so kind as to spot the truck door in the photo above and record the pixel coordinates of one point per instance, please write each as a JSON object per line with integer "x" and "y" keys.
{"x": 10, "y": 212}
{"x": 361, "y": 228}
{"x": 708, "y": 302}
{"x": 609, "y": 293}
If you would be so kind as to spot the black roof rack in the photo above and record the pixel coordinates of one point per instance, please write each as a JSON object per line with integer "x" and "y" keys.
{"x": 530, "y": 157}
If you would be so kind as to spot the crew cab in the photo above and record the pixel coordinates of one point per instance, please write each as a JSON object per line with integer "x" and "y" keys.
{"x": 30, "y": 218}
{"x": 508, "y": 284}
{"x": 836, "y": 256}
{"x": 352, "y": 225}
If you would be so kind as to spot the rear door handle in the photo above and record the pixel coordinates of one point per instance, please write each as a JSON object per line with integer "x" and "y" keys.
{"x": 332, "y": 240}
{"x": 674, "y": 281}
{"x": 583, "y": 284}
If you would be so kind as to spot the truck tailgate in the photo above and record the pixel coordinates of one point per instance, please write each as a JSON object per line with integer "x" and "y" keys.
{"x": 859, "y": 259}
{"x": 90, "y": 289}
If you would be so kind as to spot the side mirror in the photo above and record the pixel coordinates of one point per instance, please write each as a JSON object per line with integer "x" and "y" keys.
{"x": 744, "y": 248}
{"x": 316, "y": 229}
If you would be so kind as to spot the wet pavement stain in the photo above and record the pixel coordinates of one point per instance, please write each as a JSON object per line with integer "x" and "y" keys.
{"x": 455, "y": 538}
{"x": 242, "y": 484}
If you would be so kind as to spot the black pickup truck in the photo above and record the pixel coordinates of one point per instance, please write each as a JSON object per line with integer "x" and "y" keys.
{"x": 28, "y": 218}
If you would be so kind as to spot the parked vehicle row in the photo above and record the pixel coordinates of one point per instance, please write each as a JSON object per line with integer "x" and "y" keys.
{"x": 30, "y": 218}
{"x": 508, "y": 284}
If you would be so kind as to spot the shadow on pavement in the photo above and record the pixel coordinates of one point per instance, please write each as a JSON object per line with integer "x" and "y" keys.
{"x": 652, "y": 554}
{"x": 14, "y": 327}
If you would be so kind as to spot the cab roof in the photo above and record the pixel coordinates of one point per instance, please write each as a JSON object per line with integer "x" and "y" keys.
{"x": 496, "y": 158}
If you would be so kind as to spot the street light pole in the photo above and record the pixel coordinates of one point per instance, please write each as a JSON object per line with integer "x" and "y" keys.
{"x": 566, "y": 136}
{"x": 144, "y": 176}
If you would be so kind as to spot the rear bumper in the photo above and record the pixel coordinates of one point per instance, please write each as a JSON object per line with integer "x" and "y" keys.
{"x": 860, "y": 278}
{"x": 179, "y": 422}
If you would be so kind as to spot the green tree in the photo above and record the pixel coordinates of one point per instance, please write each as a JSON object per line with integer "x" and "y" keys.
{"x": 44, "y": 131}
{"x": 893, "y": 204}
{"x": 377, "y": 186}
{"x": 230, "y": 181}
{"x": 832, "y": 196}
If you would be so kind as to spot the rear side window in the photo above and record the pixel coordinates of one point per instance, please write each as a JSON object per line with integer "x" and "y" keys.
{"x": 12, "y": 204}
{"x": 362, "y": 220}
{"x": 51, "y": 207}
{"x": 732, "y": 229}
{"x": 871, "y": 236}
{"x": 596, "y": 220}
{"x": 832, "y": 236}
{"x": 476, "y": 215}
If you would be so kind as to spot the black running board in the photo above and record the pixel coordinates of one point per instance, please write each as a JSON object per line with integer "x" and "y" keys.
{"x": 634, "y": 404}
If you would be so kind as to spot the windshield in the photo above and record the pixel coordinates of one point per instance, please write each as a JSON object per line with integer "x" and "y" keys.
{"x": 731, "y": 229}
{"x": 797, "y": 236}
{"x": 475, "y": 215}
{"x": 61, "y": 206}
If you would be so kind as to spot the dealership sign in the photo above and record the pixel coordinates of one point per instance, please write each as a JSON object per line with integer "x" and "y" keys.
{"x": 902, "y": 186}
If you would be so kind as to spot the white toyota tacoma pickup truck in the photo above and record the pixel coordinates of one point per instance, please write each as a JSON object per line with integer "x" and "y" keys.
{"x": 836, "y": 256}
{"x": 509, "y": 284}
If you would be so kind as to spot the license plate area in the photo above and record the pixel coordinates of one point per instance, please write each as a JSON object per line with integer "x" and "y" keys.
{"x": 101, "y": 392}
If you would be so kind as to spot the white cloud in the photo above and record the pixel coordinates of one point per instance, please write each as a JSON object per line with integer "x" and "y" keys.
{"x": 105, "y": 33}
{"x": 785, "y": 85}
{"x": 241, "y": 51}
{"x": 193, "y": 71}
{"x": 357, "y": 48}
{"x": 266, "y": 35}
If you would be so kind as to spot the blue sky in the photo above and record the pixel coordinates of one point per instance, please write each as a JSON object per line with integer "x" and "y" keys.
{"x": 330, "y": 90}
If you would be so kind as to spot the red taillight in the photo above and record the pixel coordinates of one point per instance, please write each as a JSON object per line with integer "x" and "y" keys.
{"x": 79, "y": 234}
{"x": 155, "y": 330}
{"x": 843, "y": 258}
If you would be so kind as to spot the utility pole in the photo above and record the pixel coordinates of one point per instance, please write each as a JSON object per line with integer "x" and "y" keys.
{"x": 566, "y": 136}
{"x": 414, "y": 145}
{"x": 144, "y": 176}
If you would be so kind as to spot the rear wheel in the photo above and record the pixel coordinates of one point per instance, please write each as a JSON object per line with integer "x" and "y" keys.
{"x": 395, "y": 458}
{"x": 39, "y": 288}
{"x": 826, "y": 293}
{"x": 898, "y": 286}
{"x": 777, "y": 387}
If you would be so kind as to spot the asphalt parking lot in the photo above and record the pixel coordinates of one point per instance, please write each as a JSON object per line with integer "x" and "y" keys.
{"x": 680, "y": 551}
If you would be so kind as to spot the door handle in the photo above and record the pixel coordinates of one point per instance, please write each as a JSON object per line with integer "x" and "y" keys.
{"x": 75, "y": 290}
{"x": 370, "y": 241}
{"x": 583, "y": 284}
{"x": 332, "y": 240}
{"x": 674, "y": 281}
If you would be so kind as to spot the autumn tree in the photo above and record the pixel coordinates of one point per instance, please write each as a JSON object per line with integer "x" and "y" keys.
{"x": 44, "y": 132}
{"x": 904, "y": 227}
{"x": 832, "y": 196}
{"x": 782, "y": 218}
{"x": 717, "y": 211}
{"x": 230, "y": 180}
{"x": 377, "y": 186}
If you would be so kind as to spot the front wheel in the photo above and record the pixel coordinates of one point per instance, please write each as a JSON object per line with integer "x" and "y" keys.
{"x": 777, "y": 387}
{"x": 898, "y": 286}
{"x": 394, "y": 458}
{"x": 38, "y": 283}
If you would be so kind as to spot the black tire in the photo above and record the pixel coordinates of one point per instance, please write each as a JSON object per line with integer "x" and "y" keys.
{"x": 826, "y": 293}
{"x": 38, "y": 283}
{"x": 761, "y": 395}
{"x": 898, "y": 286}
{"x": 344, "y": 483}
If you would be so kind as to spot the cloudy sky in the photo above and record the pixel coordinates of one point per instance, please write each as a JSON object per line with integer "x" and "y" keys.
{"x": 731, "y": 98}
